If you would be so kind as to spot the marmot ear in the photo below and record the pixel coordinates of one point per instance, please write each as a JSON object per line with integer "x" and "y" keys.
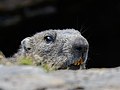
{"x": 26, "y": 44}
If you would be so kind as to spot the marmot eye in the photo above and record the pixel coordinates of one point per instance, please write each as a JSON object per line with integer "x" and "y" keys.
{"x": 48, "y": 39}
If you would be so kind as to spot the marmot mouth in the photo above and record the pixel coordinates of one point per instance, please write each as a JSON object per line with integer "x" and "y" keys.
{"x": 79, "y": 63}
{"x": 76, "y": 65}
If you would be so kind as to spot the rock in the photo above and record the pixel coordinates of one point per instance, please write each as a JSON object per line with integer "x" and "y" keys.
{"x": 92, "y": 79}
{"x": 35, "y": 78}
{"x": 26, "y": 78}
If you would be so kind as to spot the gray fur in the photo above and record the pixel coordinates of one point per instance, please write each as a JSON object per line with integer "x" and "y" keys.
{"x": 59, "y": 52}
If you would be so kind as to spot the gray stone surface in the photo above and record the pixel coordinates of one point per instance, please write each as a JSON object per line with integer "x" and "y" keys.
{"x": 35, "y": 78}
{"x": 26, "y": 78}
{"x": 92, "y": 79}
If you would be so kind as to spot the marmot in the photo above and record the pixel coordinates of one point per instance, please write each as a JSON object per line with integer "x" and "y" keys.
{"x": 59, "y": 48}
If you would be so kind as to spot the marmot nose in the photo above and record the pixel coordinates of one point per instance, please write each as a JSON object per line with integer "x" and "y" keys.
{"x": 80, "y": 44}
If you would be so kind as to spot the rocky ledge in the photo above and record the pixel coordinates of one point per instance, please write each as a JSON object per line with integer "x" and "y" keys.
{"x": 36, "y": 78}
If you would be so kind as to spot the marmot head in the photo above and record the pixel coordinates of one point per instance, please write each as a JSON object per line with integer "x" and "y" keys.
{"x": 58, "y": 48}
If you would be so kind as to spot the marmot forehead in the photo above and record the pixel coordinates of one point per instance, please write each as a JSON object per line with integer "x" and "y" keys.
{"x": 58, "y": 31}
{"x": 66, "y": 31}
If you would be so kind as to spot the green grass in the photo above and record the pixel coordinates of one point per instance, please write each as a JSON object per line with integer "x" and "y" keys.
{"x": 29, "y": 61}
{"x": 25, "y": 61}
{"x": 48, "y": 68}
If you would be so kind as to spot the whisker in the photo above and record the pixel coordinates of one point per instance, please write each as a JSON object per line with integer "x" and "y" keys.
{"x": 84, "y": 30}
{"x": 88, "y": 37}
{"x": 82, "y": 27}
